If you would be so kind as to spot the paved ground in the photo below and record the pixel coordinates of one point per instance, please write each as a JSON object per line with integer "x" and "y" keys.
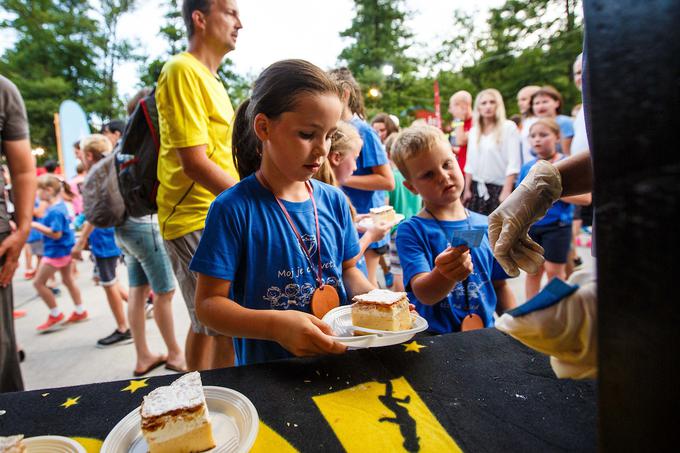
{"x": 69, "y": 356}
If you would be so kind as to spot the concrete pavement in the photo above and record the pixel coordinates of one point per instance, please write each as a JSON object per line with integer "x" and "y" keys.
{"x": 69, "y": 357}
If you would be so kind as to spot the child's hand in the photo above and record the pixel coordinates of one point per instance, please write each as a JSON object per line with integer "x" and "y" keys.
{"x": 77, "y": 253}
{"x": 454, "y": 263}
{"x": 305, "y": 335}
{"x": 379, "y": 230}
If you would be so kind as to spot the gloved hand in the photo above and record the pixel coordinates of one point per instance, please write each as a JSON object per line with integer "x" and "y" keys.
{"x": 567, "y": 330}
{"x": 509, "y": 223}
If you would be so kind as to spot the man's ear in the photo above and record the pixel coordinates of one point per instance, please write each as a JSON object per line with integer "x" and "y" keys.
{"x": 198, "y": 18}
{"x": 261, "y": 125}
{"x": 410, "y": 187}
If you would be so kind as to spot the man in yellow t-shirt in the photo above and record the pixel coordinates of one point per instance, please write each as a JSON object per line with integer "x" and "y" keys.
{"x": 195, "y": 162}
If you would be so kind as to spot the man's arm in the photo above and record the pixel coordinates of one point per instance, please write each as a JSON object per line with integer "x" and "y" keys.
{"x": 22, "y": 168}
{"x": 199, "y": 168}
{"x": 576, "y": 173}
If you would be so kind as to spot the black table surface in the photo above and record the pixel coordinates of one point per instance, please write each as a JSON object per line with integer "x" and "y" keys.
{"x": 480, "y": 391}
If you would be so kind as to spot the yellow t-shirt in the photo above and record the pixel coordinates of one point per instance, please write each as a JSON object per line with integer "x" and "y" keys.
{"x": 193, "y": 109}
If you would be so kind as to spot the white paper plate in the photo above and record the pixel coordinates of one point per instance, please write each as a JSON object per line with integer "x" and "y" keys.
{"x": 340, "y": 320}
{"x": 231, "y": 415}
{"x": 367, "y": 222}
{"x": 52, "y": 444}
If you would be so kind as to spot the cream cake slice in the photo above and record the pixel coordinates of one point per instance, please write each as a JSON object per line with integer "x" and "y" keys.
{"x": 12, "y": 444}
{"x": 383, "y": 214}
{"x": 175, "y": 418}
{"x": 381, "y": 309}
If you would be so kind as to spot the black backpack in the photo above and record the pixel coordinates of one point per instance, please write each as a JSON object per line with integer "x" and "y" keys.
{"x": 137, "y": 159}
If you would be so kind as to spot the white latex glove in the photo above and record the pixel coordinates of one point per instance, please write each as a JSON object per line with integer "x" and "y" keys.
{"x": 567, "y": 331}
{"x": 509, "y": 223}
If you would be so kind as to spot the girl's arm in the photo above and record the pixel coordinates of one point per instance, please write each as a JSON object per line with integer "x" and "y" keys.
{"x": 504, "y": 296}
{"x": 300, "y": 333}
{"x": 354, "y": 280}
{"x": 507, "y": 187}
{"x": 381, "y": 179}
{"x": 581, "y": 200}
{"x": 47, "y": 231}
{"x": 566, "y": 145}
{"x": 77, "y": 250}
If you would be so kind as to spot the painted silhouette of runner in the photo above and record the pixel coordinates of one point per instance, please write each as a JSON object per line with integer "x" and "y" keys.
{"x": 407, "y": 424}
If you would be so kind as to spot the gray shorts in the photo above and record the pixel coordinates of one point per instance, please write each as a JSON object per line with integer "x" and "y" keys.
{"x": 37, "y": 247}
{"x": 180, "y": 252}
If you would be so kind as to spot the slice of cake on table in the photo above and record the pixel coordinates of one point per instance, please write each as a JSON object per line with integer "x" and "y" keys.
{"x": 12, "y": 444}
{"x": 381, "y": 309}
{"x": 383, "y": 214}
{"x": 176, "y": 419}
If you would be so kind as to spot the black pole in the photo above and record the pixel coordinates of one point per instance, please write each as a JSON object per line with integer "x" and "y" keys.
{"x": 634, "y": 84}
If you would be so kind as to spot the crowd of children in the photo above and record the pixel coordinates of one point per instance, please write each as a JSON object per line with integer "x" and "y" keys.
{"x": 291, "y": 238}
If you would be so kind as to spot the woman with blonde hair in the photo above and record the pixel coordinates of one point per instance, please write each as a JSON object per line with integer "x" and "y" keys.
{"x": 493, "y": 159}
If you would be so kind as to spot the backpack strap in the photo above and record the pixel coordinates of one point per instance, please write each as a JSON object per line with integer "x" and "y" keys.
{"x": 147, "y": 117}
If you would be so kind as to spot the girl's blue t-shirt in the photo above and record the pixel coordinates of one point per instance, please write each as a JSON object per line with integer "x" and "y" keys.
{"x": 57, "y": 219}
{"x": 103, "y": 243}
{"x": 420, "y": 241}
{"x": 560, "y": 212}
{"x": 372, "y": 155}
{"x": 248, "y": 241}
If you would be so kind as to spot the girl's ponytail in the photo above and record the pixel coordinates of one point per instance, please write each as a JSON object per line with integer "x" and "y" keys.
{"x": 246, "y": 147}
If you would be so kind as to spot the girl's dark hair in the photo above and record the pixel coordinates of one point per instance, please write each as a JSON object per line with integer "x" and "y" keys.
{"x": 275, "y": 91}
{"x": 550, "y": 92}
{"x": 346, "y": 81}
{"x": 387, "y": 121}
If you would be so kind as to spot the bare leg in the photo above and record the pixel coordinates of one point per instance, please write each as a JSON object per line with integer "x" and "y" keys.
{"x": 372, "y": 259}
{"x": 45, "y": 272}
{"x": 398, "y": 283}
{"x": 29, "y": 258}
{"x": 223, "y": 353}
{"x": 116, "y": 305}
{"x": 162, "y": 313}
{"x": 555, "y": 270}
{"x": 533, "y": 283}
{"x": 145, "y": 358}
{"x": 69, "y": 282}
{"x": 123, "y": 291}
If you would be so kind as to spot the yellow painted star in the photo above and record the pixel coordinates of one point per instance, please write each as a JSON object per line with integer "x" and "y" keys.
{"x": 70, "y": 402}
{"x": 136, "y": 385}
{"x": 413, "y": 347}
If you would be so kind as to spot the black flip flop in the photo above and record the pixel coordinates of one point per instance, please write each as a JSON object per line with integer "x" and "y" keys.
{"x": 150, "y": 368}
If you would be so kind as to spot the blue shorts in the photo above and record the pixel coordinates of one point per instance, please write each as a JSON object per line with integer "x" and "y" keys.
{"x": 145, "y": 256}
{"x": 555, "y": 240}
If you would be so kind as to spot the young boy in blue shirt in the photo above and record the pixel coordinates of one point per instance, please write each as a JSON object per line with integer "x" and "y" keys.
{"x": 454, "y": 288}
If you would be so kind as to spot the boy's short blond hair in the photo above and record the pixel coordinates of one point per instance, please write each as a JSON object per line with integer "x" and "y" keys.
{"x": 96, "y": 144}
{"x": 413, "y": 142}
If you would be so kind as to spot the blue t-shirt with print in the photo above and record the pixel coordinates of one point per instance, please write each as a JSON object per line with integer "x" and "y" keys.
{"x": 57, "y": 219}
{"x": 560, "y": 212}
{"x": 248, "y": 241}
{"x": 372, "y": 155}
{"x": 103, "y": 243}
{"x": 420, "y": 241}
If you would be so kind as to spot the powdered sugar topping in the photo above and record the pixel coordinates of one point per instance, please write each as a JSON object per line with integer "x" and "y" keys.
{"x": 184, "y": 393}
{"x": 380, "y": 296}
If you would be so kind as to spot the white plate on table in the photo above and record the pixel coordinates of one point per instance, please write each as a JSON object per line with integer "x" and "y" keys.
{"x": 340, "y": 320}
{"x": 52, "y": 444}
{"x": 367, "y": 222}
{"x": 232, "y": 415}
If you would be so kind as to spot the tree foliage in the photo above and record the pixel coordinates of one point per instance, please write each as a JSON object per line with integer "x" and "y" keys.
{"x": 523, "y": 42}
{"x": 64, "y": 49}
